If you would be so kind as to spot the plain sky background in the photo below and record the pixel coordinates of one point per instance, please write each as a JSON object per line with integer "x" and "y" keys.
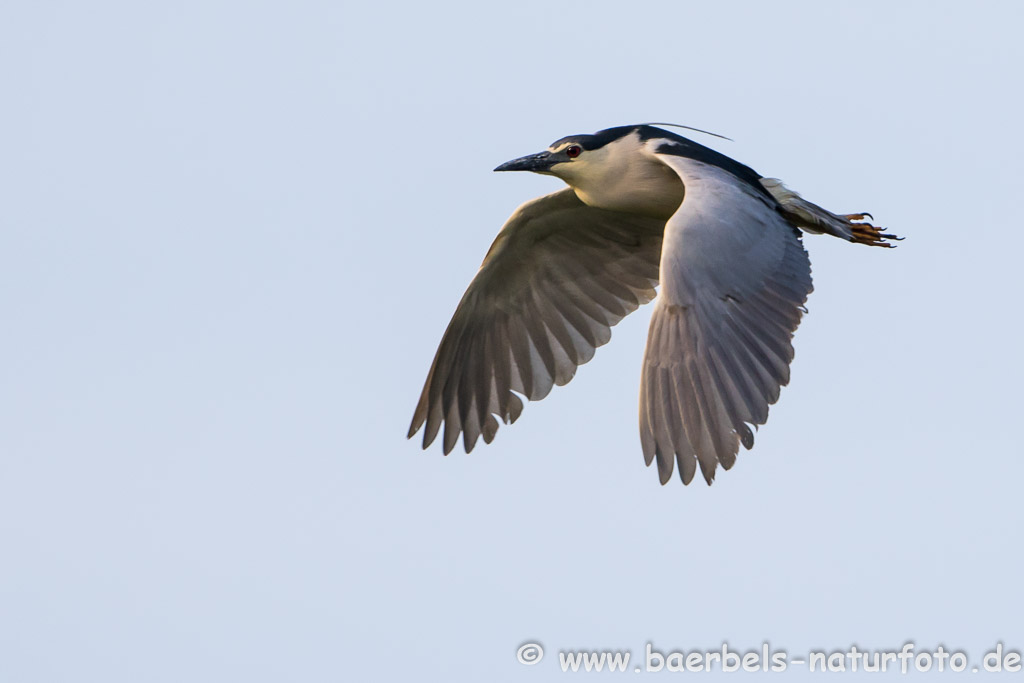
{"x": 234, "y": 232}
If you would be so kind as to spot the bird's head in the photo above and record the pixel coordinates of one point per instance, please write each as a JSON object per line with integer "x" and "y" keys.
{"x": 574, "y": 157}
{"x": 612, "y": 169}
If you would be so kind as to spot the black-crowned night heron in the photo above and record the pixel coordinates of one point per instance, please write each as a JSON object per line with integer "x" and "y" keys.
{"x": 644, "y": 206}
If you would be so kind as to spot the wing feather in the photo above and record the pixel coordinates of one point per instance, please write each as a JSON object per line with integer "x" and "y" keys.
{"x": 734, "y": 279}
{"x": 558, "y": 276}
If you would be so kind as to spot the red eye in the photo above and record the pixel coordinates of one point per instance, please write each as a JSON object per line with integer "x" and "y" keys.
{"x": 573, "y": 151}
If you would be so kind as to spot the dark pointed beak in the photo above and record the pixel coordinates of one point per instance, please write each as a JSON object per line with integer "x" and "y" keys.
{"x": 538, "y": 163}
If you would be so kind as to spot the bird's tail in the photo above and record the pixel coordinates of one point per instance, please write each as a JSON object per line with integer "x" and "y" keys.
{"x": 812, "y": 218}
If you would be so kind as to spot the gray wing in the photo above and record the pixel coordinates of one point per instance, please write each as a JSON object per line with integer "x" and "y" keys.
{"x": 558, "y": 276}
{"x": 734, "y": 277}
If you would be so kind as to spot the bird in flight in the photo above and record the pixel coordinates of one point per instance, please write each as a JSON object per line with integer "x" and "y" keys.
{"x": 644, "y": 207}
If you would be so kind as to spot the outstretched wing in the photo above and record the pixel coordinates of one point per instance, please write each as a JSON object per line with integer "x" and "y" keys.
{"x": 558, "y": 276}
{"x": 734, "y": 277}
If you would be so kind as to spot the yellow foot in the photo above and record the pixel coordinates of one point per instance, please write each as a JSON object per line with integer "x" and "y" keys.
{"x": 865, "y": 233}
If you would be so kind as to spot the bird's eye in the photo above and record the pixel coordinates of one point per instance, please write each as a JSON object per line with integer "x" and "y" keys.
{"x": 573, "y": 151}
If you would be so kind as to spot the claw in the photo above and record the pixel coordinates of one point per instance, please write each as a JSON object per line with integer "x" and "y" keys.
{"x": 865, "y": 233}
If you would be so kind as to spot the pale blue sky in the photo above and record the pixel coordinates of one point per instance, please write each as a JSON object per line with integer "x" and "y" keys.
{"x": 234, "y": 232}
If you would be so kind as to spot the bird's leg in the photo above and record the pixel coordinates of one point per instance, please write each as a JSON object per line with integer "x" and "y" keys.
{"x": 865, "y": 233}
